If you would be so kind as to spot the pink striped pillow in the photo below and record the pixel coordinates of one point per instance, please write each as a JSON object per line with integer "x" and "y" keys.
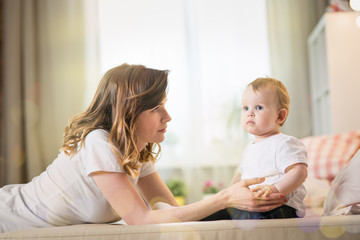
{"x": 329, "y": 153}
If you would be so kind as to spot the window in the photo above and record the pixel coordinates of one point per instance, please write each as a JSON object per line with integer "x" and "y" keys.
{"x": 212, "y": 49}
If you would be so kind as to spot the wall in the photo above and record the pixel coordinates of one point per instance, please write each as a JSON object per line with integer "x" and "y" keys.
{"x": 343, "y": 38}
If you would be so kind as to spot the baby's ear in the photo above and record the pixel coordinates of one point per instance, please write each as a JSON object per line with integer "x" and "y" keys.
{"x": 282, "y": 116}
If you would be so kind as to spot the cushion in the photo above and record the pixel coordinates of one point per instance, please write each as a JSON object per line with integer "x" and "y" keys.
{"x": 328, "y": 154}
{"x": 344, "y": 194}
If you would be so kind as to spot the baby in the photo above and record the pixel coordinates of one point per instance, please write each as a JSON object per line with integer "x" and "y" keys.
{"x": 280, "y": 158}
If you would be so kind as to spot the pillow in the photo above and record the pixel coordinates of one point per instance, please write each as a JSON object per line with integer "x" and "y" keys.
{"x": 344, "y": 194}
{"x": 329, "y": 153}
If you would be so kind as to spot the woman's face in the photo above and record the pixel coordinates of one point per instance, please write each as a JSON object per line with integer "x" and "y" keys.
{"x": 150, "y": 127}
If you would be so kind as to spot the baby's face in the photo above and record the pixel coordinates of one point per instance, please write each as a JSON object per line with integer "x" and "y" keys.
{"x": 260, "y": 112}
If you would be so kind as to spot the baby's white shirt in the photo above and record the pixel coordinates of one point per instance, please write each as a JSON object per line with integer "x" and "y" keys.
{"x": 272, "y": 156}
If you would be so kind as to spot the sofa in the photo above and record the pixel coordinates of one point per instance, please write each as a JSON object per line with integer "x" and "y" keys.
{"x": 333, "y": 207}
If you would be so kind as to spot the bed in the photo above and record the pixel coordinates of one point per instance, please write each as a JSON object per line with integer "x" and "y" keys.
{"x": 333, "y": 207}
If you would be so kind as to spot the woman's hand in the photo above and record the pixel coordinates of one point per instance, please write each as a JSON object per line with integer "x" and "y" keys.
{"x": 240, "y": 196}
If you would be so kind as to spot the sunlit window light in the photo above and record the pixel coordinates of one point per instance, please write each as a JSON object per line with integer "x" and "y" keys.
{"x": 358, "y": 21}
{"x": 355, "y": 5}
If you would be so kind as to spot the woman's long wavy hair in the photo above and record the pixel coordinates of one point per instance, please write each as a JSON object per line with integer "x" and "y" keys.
{"x": 123, "y": 93}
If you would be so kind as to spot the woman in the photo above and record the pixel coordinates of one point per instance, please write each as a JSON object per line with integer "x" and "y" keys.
{"x": 105, "y": 170}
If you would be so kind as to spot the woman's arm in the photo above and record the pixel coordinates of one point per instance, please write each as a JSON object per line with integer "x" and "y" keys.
{"x": 154, "y": 190}
{"x": 236, "y": 178}
{"x": 130, "y": 206}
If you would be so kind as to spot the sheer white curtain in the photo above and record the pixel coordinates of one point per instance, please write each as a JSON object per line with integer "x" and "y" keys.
{"x": 213, "y": 49}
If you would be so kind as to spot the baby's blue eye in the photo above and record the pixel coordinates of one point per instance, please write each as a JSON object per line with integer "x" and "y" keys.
{"x": 245, "y": 108}
{"x": 259, "y": 107}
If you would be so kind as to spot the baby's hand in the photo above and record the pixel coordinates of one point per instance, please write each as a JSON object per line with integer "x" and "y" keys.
{"x": 264, "y": 190}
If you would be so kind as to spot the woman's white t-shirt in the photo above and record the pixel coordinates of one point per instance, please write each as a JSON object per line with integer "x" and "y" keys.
{"x": 269, "y": 158}
{"x": 65, "y": 193}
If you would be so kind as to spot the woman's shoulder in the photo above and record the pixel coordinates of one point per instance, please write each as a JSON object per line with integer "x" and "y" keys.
{"x": 97, "y": 138}
{"x": 97, "y": 134}
{"x": 97, "y": 153}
